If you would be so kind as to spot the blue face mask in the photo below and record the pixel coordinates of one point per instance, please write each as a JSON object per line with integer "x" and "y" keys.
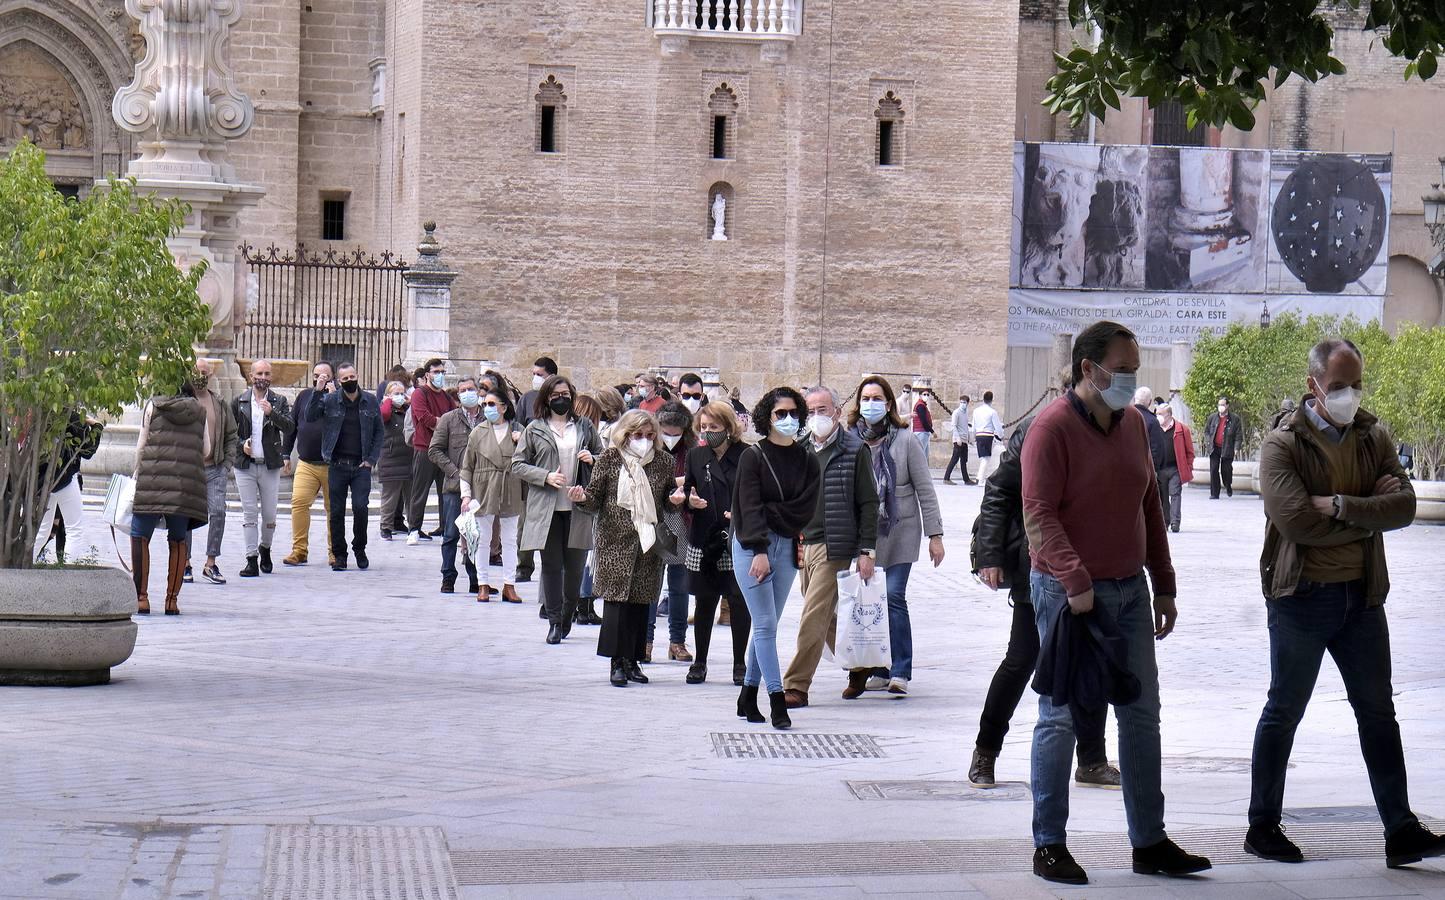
{"x": 493, "y": 414}
{"x": 439, "y": 380}
{"x": 469, "y": 398}
{"x": 873, "y": 411}
{"x": 788, "y": 427}
{"x": 1120, "y": 392}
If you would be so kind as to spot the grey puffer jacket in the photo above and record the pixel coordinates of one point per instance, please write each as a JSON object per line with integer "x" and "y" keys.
{"x": 170, "y": 474}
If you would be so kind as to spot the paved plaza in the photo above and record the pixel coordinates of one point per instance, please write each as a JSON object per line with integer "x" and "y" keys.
{"x": 312, "y": 734}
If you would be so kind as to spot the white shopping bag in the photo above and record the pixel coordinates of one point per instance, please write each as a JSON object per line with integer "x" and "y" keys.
{"x": 471, "y": 533}
{"x": 119, "y": 499}
{"x": 862, "y": 638}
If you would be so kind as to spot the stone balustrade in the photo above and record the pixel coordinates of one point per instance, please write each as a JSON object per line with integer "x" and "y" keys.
{"x": 677, "y": 21}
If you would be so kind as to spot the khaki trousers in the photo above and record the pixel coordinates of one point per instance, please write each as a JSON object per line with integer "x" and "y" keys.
{"x": 819, "y": 580}
{"x": 310, "y": 480}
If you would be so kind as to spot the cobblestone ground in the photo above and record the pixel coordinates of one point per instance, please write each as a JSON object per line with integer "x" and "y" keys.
{"x": 312, "y": 734}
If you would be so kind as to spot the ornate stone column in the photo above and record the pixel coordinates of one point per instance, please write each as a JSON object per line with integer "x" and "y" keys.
{"x": 185, "y": 104}
{"x": 428, "y": 303}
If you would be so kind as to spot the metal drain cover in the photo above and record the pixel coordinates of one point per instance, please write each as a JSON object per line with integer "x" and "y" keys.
{"x": 1323, "y": 814}
{"x": 958, "y": 791}
{"x": 792, "y": 745}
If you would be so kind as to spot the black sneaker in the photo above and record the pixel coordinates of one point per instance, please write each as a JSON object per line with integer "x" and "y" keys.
{"x": 212, "y": 573}
{"x": 1269, "y": 842}
{"x": 1411, "y": 844}
{"x": 1166, "y": 858}
{"x": 252, "y": 568}
{"x": 422, "y": 536}
{"x": 1099, "y": 775}
{"x": 441, "y": 529}
{"x": 1053, "y": 862}
{"x": 980, "y": 771}
{"x": 338, "y": 565}
{"x": 361, "y": 561}
{"x": 265, "y": 560}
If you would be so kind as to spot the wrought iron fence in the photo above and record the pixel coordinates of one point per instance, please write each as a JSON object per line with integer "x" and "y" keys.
{"x": 347, "y": 306}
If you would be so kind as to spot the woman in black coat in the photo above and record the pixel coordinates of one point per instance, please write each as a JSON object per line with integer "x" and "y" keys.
{"x": 709, "y": 477}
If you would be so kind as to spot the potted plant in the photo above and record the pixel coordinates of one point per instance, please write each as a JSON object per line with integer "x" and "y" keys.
{"x": 94, "y": 316}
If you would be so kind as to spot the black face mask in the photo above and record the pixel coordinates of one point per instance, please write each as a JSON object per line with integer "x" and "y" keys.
{"x": 560, "y": 405}
{"x": 350, "y": 387}
{"x": 715, "y": 439}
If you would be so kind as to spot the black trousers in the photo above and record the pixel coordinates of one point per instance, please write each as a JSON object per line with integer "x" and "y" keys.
{"x": 348, "y": 476}
{"x": 624, "y": 631}
{"x": 1221, "y": 474}
{"x": 1009, "y": 684}
{"x": 704, "y": 617}
{"x": 424, "y": 476}
{"x": 562, "y": 572}
{"x": 960, "y": 456}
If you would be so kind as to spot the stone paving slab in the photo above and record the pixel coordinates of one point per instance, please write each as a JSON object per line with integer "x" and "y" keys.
{"x": 310, "y": 699}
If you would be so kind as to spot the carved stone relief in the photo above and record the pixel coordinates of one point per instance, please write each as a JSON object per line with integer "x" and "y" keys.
{"x": 37, "y": 102}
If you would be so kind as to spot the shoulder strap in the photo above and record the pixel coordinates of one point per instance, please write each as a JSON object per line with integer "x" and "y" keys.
{"x": 781, "y": 493}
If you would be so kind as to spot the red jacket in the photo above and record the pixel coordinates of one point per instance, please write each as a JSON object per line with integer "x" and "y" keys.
{"x": 1183, "y": 450}
{"x": 428, "y": 405}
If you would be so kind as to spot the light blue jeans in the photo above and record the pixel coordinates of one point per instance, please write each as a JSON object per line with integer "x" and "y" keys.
{"x": 765, "y": 600}
{"x": 1127, "y": 600}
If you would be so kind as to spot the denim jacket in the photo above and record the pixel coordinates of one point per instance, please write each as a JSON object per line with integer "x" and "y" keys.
{"x": 329, "y": 406}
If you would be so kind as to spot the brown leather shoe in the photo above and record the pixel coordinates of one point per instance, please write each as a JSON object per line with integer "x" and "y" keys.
{"x": 295, "y": 559}
{"x": 725, "y": 617}
{"x": 857, "y": 683}
{"x": 484, "y": 594}
{"x": 647, "y": 653}
{"x": 509, "y": 594}
{"x": 679, "y": 653}
{"x": 795, "y": 699}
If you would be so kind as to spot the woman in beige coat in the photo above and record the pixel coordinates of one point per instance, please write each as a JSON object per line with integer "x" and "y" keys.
{"x": 492, "y": 493}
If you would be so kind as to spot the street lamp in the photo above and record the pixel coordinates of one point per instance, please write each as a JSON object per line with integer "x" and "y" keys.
{"x": 1434, "y": 205}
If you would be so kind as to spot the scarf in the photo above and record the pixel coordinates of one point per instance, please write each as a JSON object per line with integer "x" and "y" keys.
{"x": 879, "y": 439}
{"x": 634, "y": 494}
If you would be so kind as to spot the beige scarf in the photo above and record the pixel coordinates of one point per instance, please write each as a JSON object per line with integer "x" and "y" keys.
{"x": 634, "y": 494}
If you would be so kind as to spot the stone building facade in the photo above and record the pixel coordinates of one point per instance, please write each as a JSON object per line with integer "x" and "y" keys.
{"x": 842, "y": 256}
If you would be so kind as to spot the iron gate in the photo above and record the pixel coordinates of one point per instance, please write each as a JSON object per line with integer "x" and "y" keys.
{"x": 313, "y": 306}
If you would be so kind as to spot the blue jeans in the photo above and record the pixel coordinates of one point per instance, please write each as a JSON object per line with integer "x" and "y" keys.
{"x": 1127, "y": 599}
{"x": 676, "y": 591}
{"x": 765, "y": 601}
{"x": 143, "y": 525}
{"x": 1333, "y": 617}
{"x": 451, "y": 534}
{"x": 900, "y": 629}
{"x": 345, "y": 476}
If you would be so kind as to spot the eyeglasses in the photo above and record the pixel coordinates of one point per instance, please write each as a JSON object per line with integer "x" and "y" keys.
{"x": 692, "y": 396}
{"x": 781, "y": 414}
{"x": 491, "y": 404}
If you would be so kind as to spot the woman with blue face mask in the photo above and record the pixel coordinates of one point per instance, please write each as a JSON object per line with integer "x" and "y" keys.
{"x": 775, "y": 495}
{"x": 492, "y": 493}
{"x": 907, "y": 510}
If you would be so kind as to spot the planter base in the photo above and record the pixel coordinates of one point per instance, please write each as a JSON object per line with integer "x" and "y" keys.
{"x": 43, "y": 678}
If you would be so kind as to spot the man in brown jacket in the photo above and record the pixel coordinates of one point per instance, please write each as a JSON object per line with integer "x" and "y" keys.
{"x": 1332, "y": 485}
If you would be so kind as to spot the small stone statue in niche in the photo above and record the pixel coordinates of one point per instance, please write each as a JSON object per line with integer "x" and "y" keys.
{"x": 719, "y": 215}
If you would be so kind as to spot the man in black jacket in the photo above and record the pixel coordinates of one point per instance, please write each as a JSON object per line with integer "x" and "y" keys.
{"x": 311, "y": 471}
{"x": 351, "y": 446}
{"x": 1221, "y": 437}
{"x": 82, "y": 437}
{"x": 1002, "y": 557}
{"x": 844, "y": 528}
{"x": 263, "y": 420}
{"x": 1161, "y": 448}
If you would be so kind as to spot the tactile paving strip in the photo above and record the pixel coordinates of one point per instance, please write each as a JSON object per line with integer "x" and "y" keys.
{"x": 793, "y": 745}
{"x": 729, "y": 862}
{"x": 333, "y": 862}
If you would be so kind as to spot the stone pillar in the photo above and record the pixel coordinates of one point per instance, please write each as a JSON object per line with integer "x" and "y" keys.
{"x": 1181, "y": 360}
{"x": 1061, "y": 357}
{"x": 428, "y": 303}
{"x": 184, "y": 102}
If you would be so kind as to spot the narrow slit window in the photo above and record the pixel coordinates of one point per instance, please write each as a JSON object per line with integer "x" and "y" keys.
{"x": 719, "y": 137}
{"x": 885, "y": 143}
{"x": 333, "y": 220}
{"x": 548, "y": 140}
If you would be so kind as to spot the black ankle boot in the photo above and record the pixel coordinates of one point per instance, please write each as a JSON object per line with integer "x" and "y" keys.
{"x": 779, "y": 704}
{"x": 619, "y": 672}
{"x": 634, "y": 672}
{"x": 265, "y": 560}
{"x": 251, "y": 569}
{"x": 748, "y": 704}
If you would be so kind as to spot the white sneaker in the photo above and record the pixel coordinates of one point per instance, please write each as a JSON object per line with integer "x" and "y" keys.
{"x": 876, "y": 683}
{"x": 898, "y": 685}
{"x": 413, "y": 539}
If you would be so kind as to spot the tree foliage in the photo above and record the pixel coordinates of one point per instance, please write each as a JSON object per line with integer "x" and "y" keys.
{"x": 1217, "y": 58}
{"x": 94, "y": 315}
{"x": 1258, "y": 368}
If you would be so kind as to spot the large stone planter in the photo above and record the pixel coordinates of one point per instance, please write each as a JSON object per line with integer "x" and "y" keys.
{"x": 64, "y": 627}
{"x": 1430, "y": 501}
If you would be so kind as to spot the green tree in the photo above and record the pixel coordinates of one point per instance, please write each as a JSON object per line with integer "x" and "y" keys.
{"x": 1408, "y": 382}
{"x": 94, "y": 315}
{"x": 1216, "y": 58}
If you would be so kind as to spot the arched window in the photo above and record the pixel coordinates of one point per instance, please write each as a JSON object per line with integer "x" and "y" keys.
{"x": 889, "y": 144}
{"x": 551, "y": 116}
{"x": 723, "y": 110}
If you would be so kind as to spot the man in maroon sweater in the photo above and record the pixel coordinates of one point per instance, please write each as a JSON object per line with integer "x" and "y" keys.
{"x": 430, "y": 402}
{"x": 1094, "y": 523}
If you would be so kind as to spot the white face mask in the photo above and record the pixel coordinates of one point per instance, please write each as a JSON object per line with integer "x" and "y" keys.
{"x": 1341, "y": 405}
{"x": 638, "y": 446}
{"x": 537, "y": 382}
{"x": 821, "y": 426}
{"x": 670, "y": 440}
{"x": 692, "y": 405}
